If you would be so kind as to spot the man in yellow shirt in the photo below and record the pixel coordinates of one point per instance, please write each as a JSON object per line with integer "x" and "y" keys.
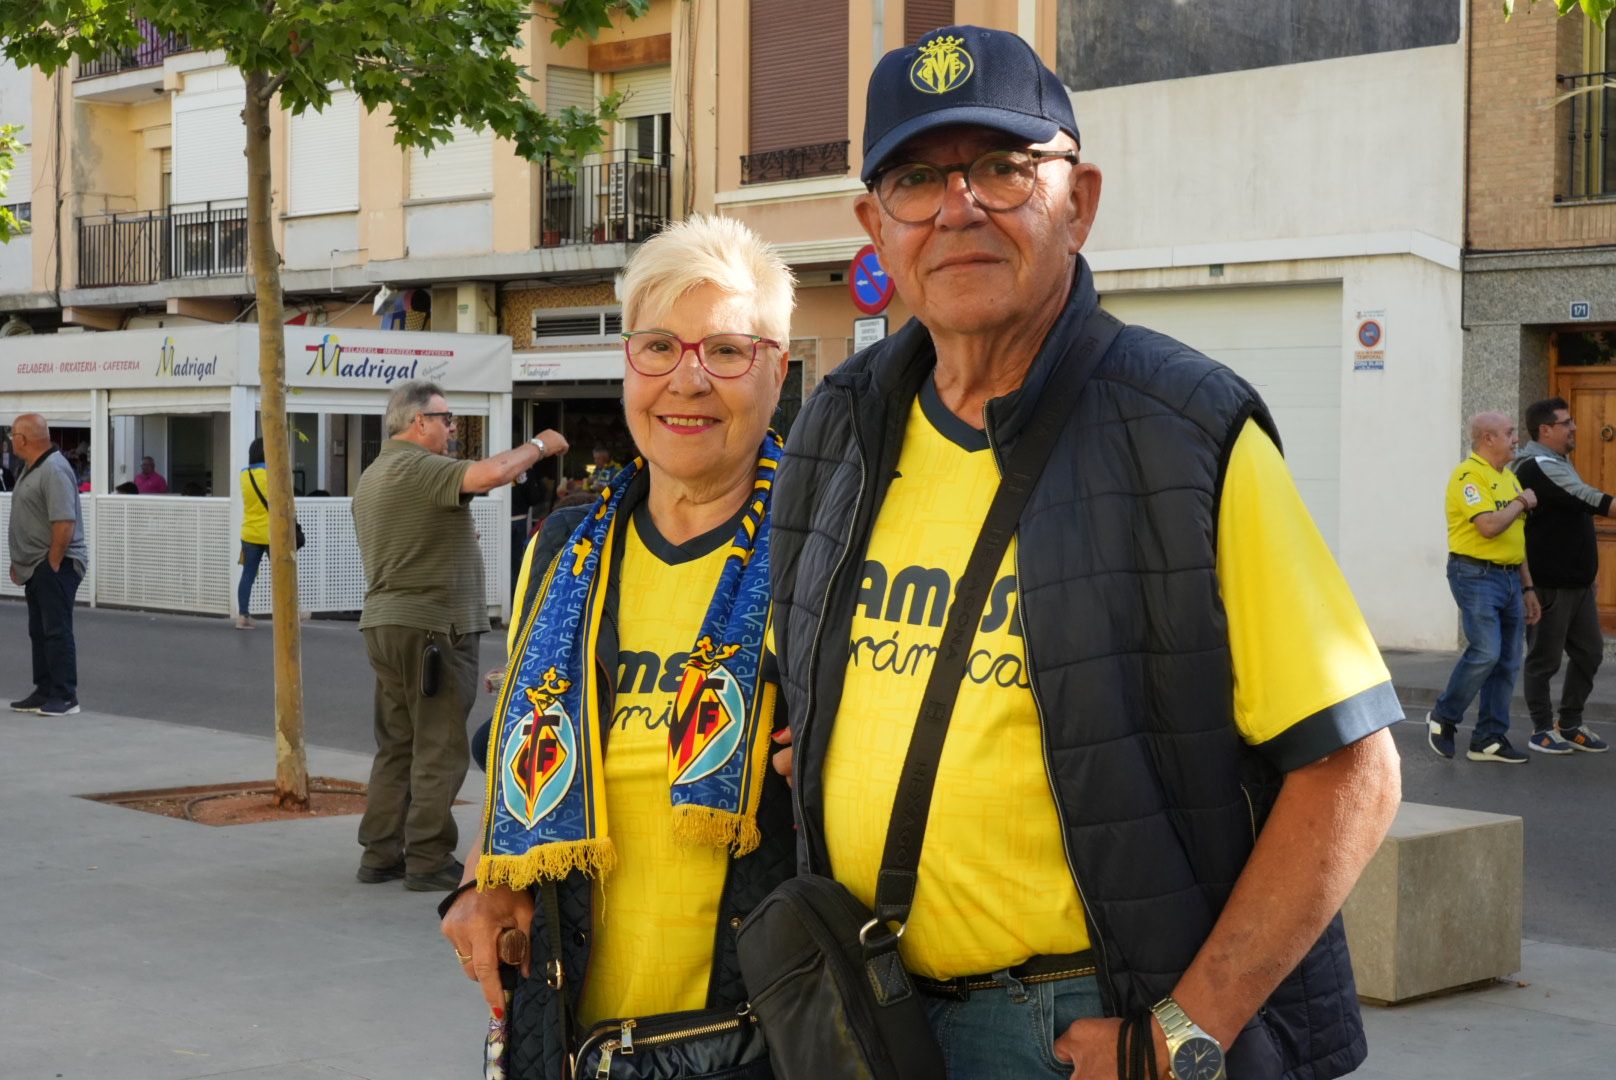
{"x": 1487, "y": 572}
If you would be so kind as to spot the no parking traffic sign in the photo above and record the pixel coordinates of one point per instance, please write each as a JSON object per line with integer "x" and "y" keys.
{"x": 868, "y": 282}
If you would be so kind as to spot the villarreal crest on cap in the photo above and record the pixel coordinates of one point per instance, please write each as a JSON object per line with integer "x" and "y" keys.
{"x": 962, "y": 75}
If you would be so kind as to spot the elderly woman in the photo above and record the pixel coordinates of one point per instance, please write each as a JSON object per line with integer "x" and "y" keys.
{"x": 631, "y": 821}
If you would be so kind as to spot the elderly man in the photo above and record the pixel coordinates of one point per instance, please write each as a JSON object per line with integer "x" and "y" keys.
{"x": 1488, "y": 576}
{"x": 148, "y": 481}
{"x": 1563, "y": 552}
{"x": 425, "y": 613}
{"x": 1167, "y": 762}
{"x": 48, "y": 556}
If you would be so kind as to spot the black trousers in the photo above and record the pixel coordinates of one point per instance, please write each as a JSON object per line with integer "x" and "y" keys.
{"x": 50, "y": 595}
{"x": 1570, "y": 626}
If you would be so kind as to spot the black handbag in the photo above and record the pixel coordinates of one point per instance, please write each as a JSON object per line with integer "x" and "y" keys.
{"x": 297, "y": 526}
{"x": 822, "y": 969}
{"x": 702, "y": 1044}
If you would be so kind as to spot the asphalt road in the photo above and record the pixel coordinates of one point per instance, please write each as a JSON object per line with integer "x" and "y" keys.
{"x": 202, "y": 672}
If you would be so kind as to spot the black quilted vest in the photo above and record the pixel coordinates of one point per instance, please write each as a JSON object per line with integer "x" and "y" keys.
{"x": 535, "y": 1052}
{"x": 1159, "y": 798}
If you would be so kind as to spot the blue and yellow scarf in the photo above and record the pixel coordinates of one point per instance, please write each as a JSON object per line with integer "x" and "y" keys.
{"x": 545, "y": 811}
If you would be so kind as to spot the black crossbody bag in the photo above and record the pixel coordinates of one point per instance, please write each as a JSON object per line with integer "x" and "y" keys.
{"x": 823, "y": 970}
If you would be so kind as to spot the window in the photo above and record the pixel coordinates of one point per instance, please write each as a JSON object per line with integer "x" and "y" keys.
{"x": 209, "y": 165}
{"x": 19, "y": 192}
{"x": 323, "y": 148}
{"x": 921, "y": 17}
{"x": 798, "y": 85}
{"x": 550, "y": 327}
{"x": 462, "y": 166}
{"x": 566, "y": 88}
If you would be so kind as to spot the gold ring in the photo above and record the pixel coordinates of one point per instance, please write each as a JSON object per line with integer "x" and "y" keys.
{"x": 462, "y": 957}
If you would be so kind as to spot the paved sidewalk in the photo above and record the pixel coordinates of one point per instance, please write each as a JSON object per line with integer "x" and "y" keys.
{"x": 139, "y": 947}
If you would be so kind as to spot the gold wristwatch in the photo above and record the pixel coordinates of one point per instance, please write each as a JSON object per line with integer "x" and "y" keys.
{"x": 1192, "y": 1054}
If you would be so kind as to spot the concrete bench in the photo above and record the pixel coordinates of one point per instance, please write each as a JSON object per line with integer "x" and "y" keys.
{"x": 1439, "y": 906}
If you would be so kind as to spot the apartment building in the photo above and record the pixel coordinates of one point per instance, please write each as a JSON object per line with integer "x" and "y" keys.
{"x": 1540, "y": 245}
{"x": 1284, "y": 189}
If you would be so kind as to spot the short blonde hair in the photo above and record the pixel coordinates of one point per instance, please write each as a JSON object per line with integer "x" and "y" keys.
{"x": 703, "y": 250}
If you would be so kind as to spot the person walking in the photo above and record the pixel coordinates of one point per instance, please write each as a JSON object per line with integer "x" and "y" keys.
{"x": 1563, "y": 552}
{"x": 254, "y": 530}
{"x": 48, "y": 557}
{"x": 1492, "y": 584}
{"x": 1172, "y": 712}
{"x": 425, "y": 613}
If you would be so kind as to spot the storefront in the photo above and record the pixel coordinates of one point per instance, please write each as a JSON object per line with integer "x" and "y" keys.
{"x": 188, "y": 397}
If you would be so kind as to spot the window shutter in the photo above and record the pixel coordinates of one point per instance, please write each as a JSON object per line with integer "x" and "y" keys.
{"x": 921, "y": 17}
{"x": 20, "y": 188}
{"x": 646, "y": 92}
{"x": 462, "y": 166}
{"x": 210, "y": 163}
{"x": 798, "y": 76}
{"x": 324, "y": 153}
{"x": 568, "y": 88}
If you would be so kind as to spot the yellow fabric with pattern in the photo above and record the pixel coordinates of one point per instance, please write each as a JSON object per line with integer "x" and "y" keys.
{"x": 656, "y": 914}
{"x": 1477, "y": 488}
{"x": 995, "y": 888}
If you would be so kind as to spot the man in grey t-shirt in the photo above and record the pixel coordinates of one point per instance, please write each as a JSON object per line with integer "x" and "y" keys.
{"x": 45, "y": 543}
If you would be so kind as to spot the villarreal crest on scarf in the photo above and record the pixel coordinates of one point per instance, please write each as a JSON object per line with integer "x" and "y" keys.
{"x": 709, "y": 713}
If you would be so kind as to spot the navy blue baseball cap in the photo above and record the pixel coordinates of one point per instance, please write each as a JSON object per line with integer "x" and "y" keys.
{"x": 962, "y": 75}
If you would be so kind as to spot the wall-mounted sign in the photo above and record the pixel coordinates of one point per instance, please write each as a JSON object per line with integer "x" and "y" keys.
{"x": 1369, "y": 342}
{"x": 867, "y": 332}
{"x": 867, "y": 280}
{"x": 1581, "y": 310}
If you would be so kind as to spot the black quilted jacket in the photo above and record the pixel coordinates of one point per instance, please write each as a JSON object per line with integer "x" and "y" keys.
{"x": 1127, "y": 646}
{"x": 535, "y": 1049}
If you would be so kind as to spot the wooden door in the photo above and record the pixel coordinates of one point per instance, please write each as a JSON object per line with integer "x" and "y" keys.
{"x": 1591, "y": 394}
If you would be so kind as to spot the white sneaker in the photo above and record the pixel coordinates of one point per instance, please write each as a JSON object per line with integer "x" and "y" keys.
{"x": 244, "y": 622}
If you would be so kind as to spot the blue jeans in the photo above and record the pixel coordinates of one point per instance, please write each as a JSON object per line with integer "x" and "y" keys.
{"x": 1003, "y": 1035}
{"x": 50, "y": 594}
{"x": 1490, "y": 609}
{"x": 251, "y": 556}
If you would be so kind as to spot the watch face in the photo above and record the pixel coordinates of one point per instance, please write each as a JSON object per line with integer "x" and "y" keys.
{"x": 1198, "y": 1059}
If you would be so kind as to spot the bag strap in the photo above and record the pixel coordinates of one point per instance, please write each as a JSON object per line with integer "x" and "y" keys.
{"x": 900, "y": 861}
{"x": 253, "y": 480}
{"x": 554, "y": 969}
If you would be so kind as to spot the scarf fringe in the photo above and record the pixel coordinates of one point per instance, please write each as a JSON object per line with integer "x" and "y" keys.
{"x": 546, "y": 862}
{"x": 705, "y": 826}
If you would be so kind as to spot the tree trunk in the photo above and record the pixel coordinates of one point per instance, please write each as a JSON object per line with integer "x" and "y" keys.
{"x": 291, "y": 762}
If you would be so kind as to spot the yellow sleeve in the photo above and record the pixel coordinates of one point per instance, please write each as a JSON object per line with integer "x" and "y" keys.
{"x": 520, "y": 595}
{"x": 1469, "y": 495}
{"x": 1308, "y": 678}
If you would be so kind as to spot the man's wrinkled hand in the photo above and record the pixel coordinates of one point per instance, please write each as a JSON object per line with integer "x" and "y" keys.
{"x": 1090, "y": 1047}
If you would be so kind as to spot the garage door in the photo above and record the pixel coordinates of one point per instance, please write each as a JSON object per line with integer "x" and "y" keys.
{"x": 1285, "y": 341}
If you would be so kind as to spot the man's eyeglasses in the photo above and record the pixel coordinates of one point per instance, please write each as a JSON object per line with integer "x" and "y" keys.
{"x": 446, "y": 417}
{"x": 1567, "y": 422}
{"x": 999, "y": 180}
{"x": 723, "y": 356}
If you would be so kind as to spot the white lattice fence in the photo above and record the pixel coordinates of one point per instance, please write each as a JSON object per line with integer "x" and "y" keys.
{"x": 330, "y": 576}
{"x": 166, "y": 552}
{"x": 87, "y": 586}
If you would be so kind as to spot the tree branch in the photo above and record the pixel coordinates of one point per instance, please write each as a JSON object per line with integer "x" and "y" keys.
{"x": 268, "y": 94}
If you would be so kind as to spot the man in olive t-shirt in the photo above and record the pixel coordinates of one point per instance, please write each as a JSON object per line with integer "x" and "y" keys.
{"x": 425, "y": 613}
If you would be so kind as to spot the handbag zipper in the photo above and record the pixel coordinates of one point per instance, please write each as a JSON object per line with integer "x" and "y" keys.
{"x": 625, "y": 1044}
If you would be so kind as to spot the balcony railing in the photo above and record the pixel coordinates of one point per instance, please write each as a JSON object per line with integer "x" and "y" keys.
{"x": 797, "y": 163}
{"x": 623, "y": 196}
{"x": 153, "y": 47}
{"x": 149, "y": 246}
{"x": 1589, "y": 156}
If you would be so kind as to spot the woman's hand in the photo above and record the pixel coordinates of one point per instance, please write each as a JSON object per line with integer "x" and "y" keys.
{"x": 473, "y": 926}
{"x": 783, "y": 758}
